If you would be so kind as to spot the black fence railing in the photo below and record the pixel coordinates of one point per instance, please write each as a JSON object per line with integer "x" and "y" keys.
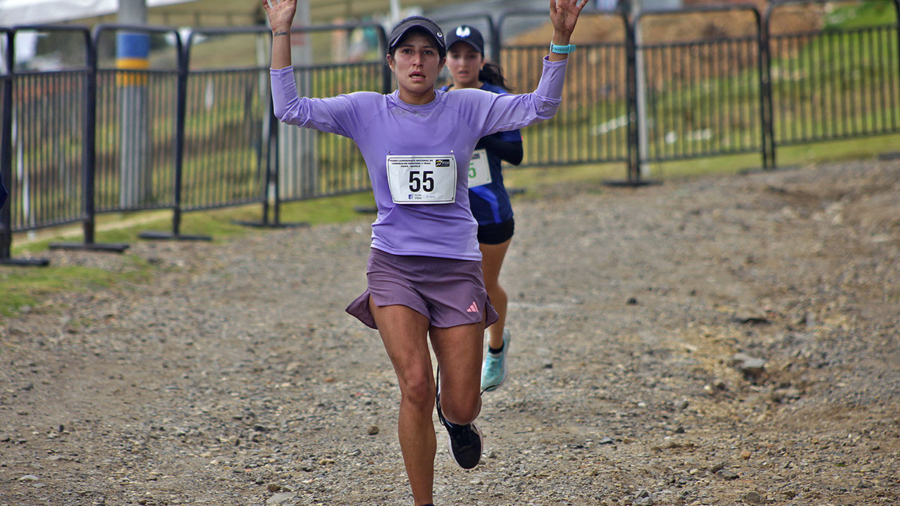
{"x": 192, "y": 129}
{"x": 592, "y": 124}
{"x": 313, "y": 164}
{"x": 136, "y": 122}
{"x": 48, "y": 138}
{"x": 833, "y": 84}
{"x": 701, "y": 98}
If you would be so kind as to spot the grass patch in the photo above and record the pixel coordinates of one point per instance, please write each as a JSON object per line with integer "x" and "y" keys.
{"x": 219, "y": 223}
{"x": 29, "y": 287}
{"x": 540, "y": 182}
{"x": 809, "y": 154}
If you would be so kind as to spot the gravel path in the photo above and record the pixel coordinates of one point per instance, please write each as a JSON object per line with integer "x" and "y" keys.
{"x": 725, "y": 340}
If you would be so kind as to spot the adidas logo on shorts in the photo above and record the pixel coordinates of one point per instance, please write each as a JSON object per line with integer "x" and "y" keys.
{"x": 473, "y": 308}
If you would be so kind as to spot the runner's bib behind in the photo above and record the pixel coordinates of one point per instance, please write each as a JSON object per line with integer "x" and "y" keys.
{"x": 422, "y": 179}
{"x": 479, "y": 169}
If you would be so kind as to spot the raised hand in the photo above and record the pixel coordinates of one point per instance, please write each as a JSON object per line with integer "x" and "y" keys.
{"x": 564, "y": 14}
{"x": 281, "y": 14}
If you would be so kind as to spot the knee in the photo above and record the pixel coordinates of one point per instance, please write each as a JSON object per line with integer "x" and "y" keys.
{"x": 460, "y": 409}
{"x": 418, "y": 389}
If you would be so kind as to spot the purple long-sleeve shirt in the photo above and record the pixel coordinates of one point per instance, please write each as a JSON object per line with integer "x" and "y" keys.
{"x": 451, "y": 124}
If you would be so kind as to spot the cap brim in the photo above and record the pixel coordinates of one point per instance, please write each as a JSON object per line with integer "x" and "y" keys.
{"x": 467, "y": 42}
{"x": 438, "y": 36}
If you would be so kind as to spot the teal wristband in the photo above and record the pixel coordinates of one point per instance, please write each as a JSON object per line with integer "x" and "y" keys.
{"x": 561, "y": 49}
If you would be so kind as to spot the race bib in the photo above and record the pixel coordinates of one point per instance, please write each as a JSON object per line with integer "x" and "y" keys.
{"x": 422, "y": 179}
{"x": 479, "y": 169}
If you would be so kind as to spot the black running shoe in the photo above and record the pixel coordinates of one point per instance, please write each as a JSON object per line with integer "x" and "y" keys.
{"x": 466, "y": 441}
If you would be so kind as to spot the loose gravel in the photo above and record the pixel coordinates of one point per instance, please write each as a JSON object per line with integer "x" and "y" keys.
{"x": 723, "y": 340}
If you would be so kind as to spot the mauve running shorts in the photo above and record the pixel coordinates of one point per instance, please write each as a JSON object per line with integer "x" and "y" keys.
{"x": 446, "y": 291}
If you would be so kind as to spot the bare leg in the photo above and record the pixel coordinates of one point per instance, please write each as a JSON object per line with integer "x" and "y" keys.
{"x": 405, "y": 336}
{"x": 459, "y": 352}
{"x": 491, "y": 262}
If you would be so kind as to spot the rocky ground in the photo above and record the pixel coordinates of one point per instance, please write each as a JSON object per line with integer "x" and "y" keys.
{"x": 725, "y": 340}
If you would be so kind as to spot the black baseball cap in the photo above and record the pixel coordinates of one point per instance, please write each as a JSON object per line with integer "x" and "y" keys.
{"x": 422, "y": 23}
{"x": 468, "y": 34}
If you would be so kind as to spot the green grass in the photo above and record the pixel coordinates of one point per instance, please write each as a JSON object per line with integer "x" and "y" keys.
{"x": 860, "y": 15}
{"x": 802, "y": 155}
{"x": 538, "y": 182}
{"x": 26, "y": 287}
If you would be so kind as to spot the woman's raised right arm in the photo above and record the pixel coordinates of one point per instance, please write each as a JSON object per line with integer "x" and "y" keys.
{"x": 281, "y": 17}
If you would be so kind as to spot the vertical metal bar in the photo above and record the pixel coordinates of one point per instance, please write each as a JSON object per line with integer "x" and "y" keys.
{"x": 892, "y": 95}
{"x": 816, "y": 82}
{"x": 6, "y": 146}
{"x": 737, "y": 117}
{"x": 864, "y": 82}
{"x": 665, "y": 105}
{"x": 720, "y": 76}
{"x": 180, "y": 117}
{"x": 798, "y": 77}
{"x": 794, "y": 90}
{"x": 33, "y": 170}
{"x": 844, "y": 79}
{"x": 696, "y": 98}
{"x": 683, "y": 92}
{"x": 634, "y": 174}
{"x": 89, "y": 155}
{"x": 764, "y": 59}
{"x": 852, "y": 95}
{"x": 887, "y": 77}
{"x": 834, "y": 81}
{"x": 703, "y": 88}
{"x": 878, "y": 82}
{"x": 783, "y": 129}
{"x": 655, "y": 125}
{"x": 721, "y": 99}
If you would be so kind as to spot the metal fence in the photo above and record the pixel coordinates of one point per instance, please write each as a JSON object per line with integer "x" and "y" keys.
{"x": 702, "y": 97}
{"x": 191, "y": 128}
{"x": 47, "y": 139}
{"x": 831, "y": 84}
{"x": 592, "y": 124}
{"x": 313, "y": 164}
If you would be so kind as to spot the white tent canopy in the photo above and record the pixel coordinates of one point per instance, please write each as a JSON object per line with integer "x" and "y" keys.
{"x": 193, "y": 12}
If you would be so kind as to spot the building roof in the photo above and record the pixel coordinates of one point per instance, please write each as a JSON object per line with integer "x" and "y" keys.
{"x": 192, "y": 12}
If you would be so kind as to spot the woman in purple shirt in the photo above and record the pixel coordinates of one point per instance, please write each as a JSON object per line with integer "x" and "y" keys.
{"x": 424, "y": 272}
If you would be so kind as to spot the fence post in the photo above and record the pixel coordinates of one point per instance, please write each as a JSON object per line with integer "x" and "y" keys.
{"x": 6, "y": 160}
{"x": 765, "y": 105}
{"x": 633, "y": 169}
{"x": 180, "y": 113}
{"x": 634, "y": 155}
{"x": 271, "y": 176}
{"x": 89, "y": 158}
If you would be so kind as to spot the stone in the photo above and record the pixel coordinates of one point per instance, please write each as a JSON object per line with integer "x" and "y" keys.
{"x": 752, "y": 498}
{"x": 280, "y": 498}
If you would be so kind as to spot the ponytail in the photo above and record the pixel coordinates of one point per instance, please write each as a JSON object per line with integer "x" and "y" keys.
{"x": 492, "y": 74}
